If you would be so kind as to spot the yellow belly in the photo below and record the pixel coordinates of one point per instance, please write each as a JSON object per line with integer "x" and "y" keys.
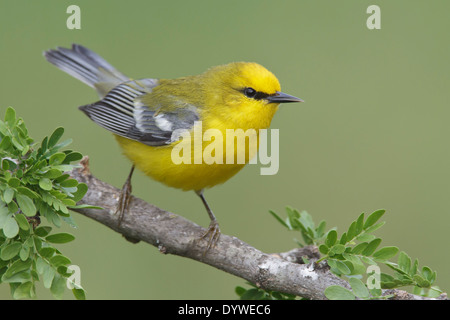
{"x": 156, "y": 162}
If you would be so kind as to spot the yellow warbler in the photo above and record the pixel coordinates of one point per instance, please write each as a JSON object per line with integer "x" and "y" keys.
{"x": 148, "y": 117}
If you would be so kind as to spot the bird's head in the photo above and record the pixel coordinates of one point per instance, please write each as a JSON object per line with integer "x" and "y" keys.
{"x": 245, "y": 89}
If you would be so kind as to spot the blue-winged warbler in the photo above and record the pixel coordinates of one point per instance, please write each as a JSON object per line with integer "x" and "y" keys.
{"x": 146, "y": 116}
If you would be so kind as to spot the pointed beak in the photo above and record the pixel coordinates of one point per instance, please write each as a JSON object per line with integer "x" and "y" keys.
{"x": 280, "y": 97}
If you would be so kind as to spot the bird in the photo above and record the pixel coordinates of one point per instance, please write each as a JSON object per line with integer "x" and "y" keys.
{"x": 147, "y": 115}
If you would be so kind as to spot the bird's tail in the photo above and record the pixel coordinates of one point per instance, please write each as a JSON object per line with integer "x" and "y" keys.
{"x": 87, "y": 66}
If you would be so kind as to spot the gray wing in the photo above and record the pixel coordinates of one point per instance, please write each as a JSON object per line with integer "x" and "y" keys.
{"x": 122, "y": 112}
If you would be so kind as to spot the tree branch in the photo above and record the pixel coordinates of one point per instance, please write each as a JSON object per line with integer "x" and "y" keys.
{"x": 173, "y": 234}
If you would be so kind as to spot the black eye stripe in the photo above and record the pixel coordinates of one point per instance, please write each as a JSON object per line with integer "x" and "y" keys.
{"x": 252, "y": 93}
{"x": 261, "y": 95}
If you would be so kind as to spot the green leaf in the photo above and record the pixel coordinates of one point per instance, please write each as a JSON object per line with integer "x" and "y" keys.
{"x": 41, "y": 264}
{"x": 19, "y": 173}
{"x": 250, "y": 294}
{"x": 25, "y": 149}
{"x": 26, "y": 205}
{"x": 321, "y": 229}
{"x": 64, "y": 271}
{"x": 37, "y": 242}
{"x": 12, "y": 207}
{"x": 70, "y": 221}
{"x": 53, "y": 217}
{"x": 79, "y": 294}
{"x": 331, "y": 238}
{"x": 8, "y": 195}
{"x": 343, "y": 267}
{"x": 58, "y": 286}
{"x": 59, "y": 260}
{"x": 351, "y": 232}
{"x": 239, "y": 290}
{"x": 359, "y": 288}
{"x": 24, "y": 253}
{"x": 428, "y": 274}
{"x": 10, "y": 251}
{"x": 29, "y": 242}
{"x": 27, "y": 192}
{"x": 339, "y": 266}
{"x": 354, "y": 259}
{"x": 5, "y": 144}
{"x": 60, "y": 238}
{"x": 359, "y": 248}
{"x": 306, "y": 220}
{"x": 56, "y": 159}
{"x": 69, "y": 183}
{"x": 10, "y": 227}
{"x": 385, "y": 253}
{"x": 52, "y": 174}
{"x": 61, "y": 208}
{"x": 68, "y": 202}
{"x": 42, "y": 231}
{"x": 17, "y": 144}
{"x": 368, "y": 260}
{"x": 434, "y": 292}
{"x": 47, "y": 252}
{"x": 17, "y": 267}
{"x": 323, "y": 249}
{"x": 63, "y": 167}
{"x": 293, "y": 217}
{"x": 414, "y": 267}
{"x": 47, "y": 276}
{"x": 63, "y": 144}
{"x": 44, "y": 145}
{"x": 19, "y": 277}
{"x": 337, "y": 249}
{"x": 421, "y": 282}
{"x": 404, "y": 262}
{"x": 46, "y": 184}
{"x": 73, "y": 156}
{"x": 4, "y": 214}
{"x": 375, "y": 227}
{"x": 338, "y": 293}
{"x": 376, "y": 293}
{"x": 359, "y": 223}
{"x": 14, "y": 182}
{"x": 343, "y": 239}
{"x": 387, "y": 281}
{"x": 54, "y": 138}
{"x": 373, "y": 217}
{"x": 10, "y": 117}
{"x": 62, "y": 177}
{"x": 24, "y": 290}
{"x": 22, "y": 222}
{"x": 365, "y": 237}
{"x": 371, "y": 247}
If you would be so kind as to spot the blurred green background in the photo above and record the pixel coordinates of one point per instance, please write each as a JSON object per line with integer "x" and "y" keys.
{"x": 372, "y": 134}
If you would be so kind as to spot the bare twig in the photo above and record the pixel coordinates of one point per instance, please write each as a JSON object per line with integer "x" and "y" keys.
{"x": 173, "y": 234}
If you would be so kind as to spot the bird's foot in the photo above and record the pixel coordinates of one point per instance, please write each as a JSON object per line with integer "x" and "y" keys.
{"x": 213, "y": 235}
{"x": 124, "y": 199}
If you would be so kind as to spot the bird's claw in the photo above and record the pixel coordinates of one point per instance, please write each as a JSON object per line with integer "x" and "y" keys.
{"x": 214, "y": 234}
{"x": 124, "y": 199}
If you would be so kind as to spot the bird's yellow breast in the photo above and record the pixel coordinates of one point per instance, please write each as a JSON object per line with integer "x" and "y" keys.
{"x": 157, "y": 161}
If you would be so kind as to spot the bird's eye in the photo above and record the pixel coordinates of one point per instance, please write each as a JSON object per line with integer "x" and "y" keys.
{"x": 250, "y": 92}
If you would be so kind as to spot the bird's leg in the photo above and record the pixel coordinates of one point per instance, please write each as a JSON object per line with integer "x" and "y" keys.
{"x": 124, "y": 199}
{"x": 213, "y": 230}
